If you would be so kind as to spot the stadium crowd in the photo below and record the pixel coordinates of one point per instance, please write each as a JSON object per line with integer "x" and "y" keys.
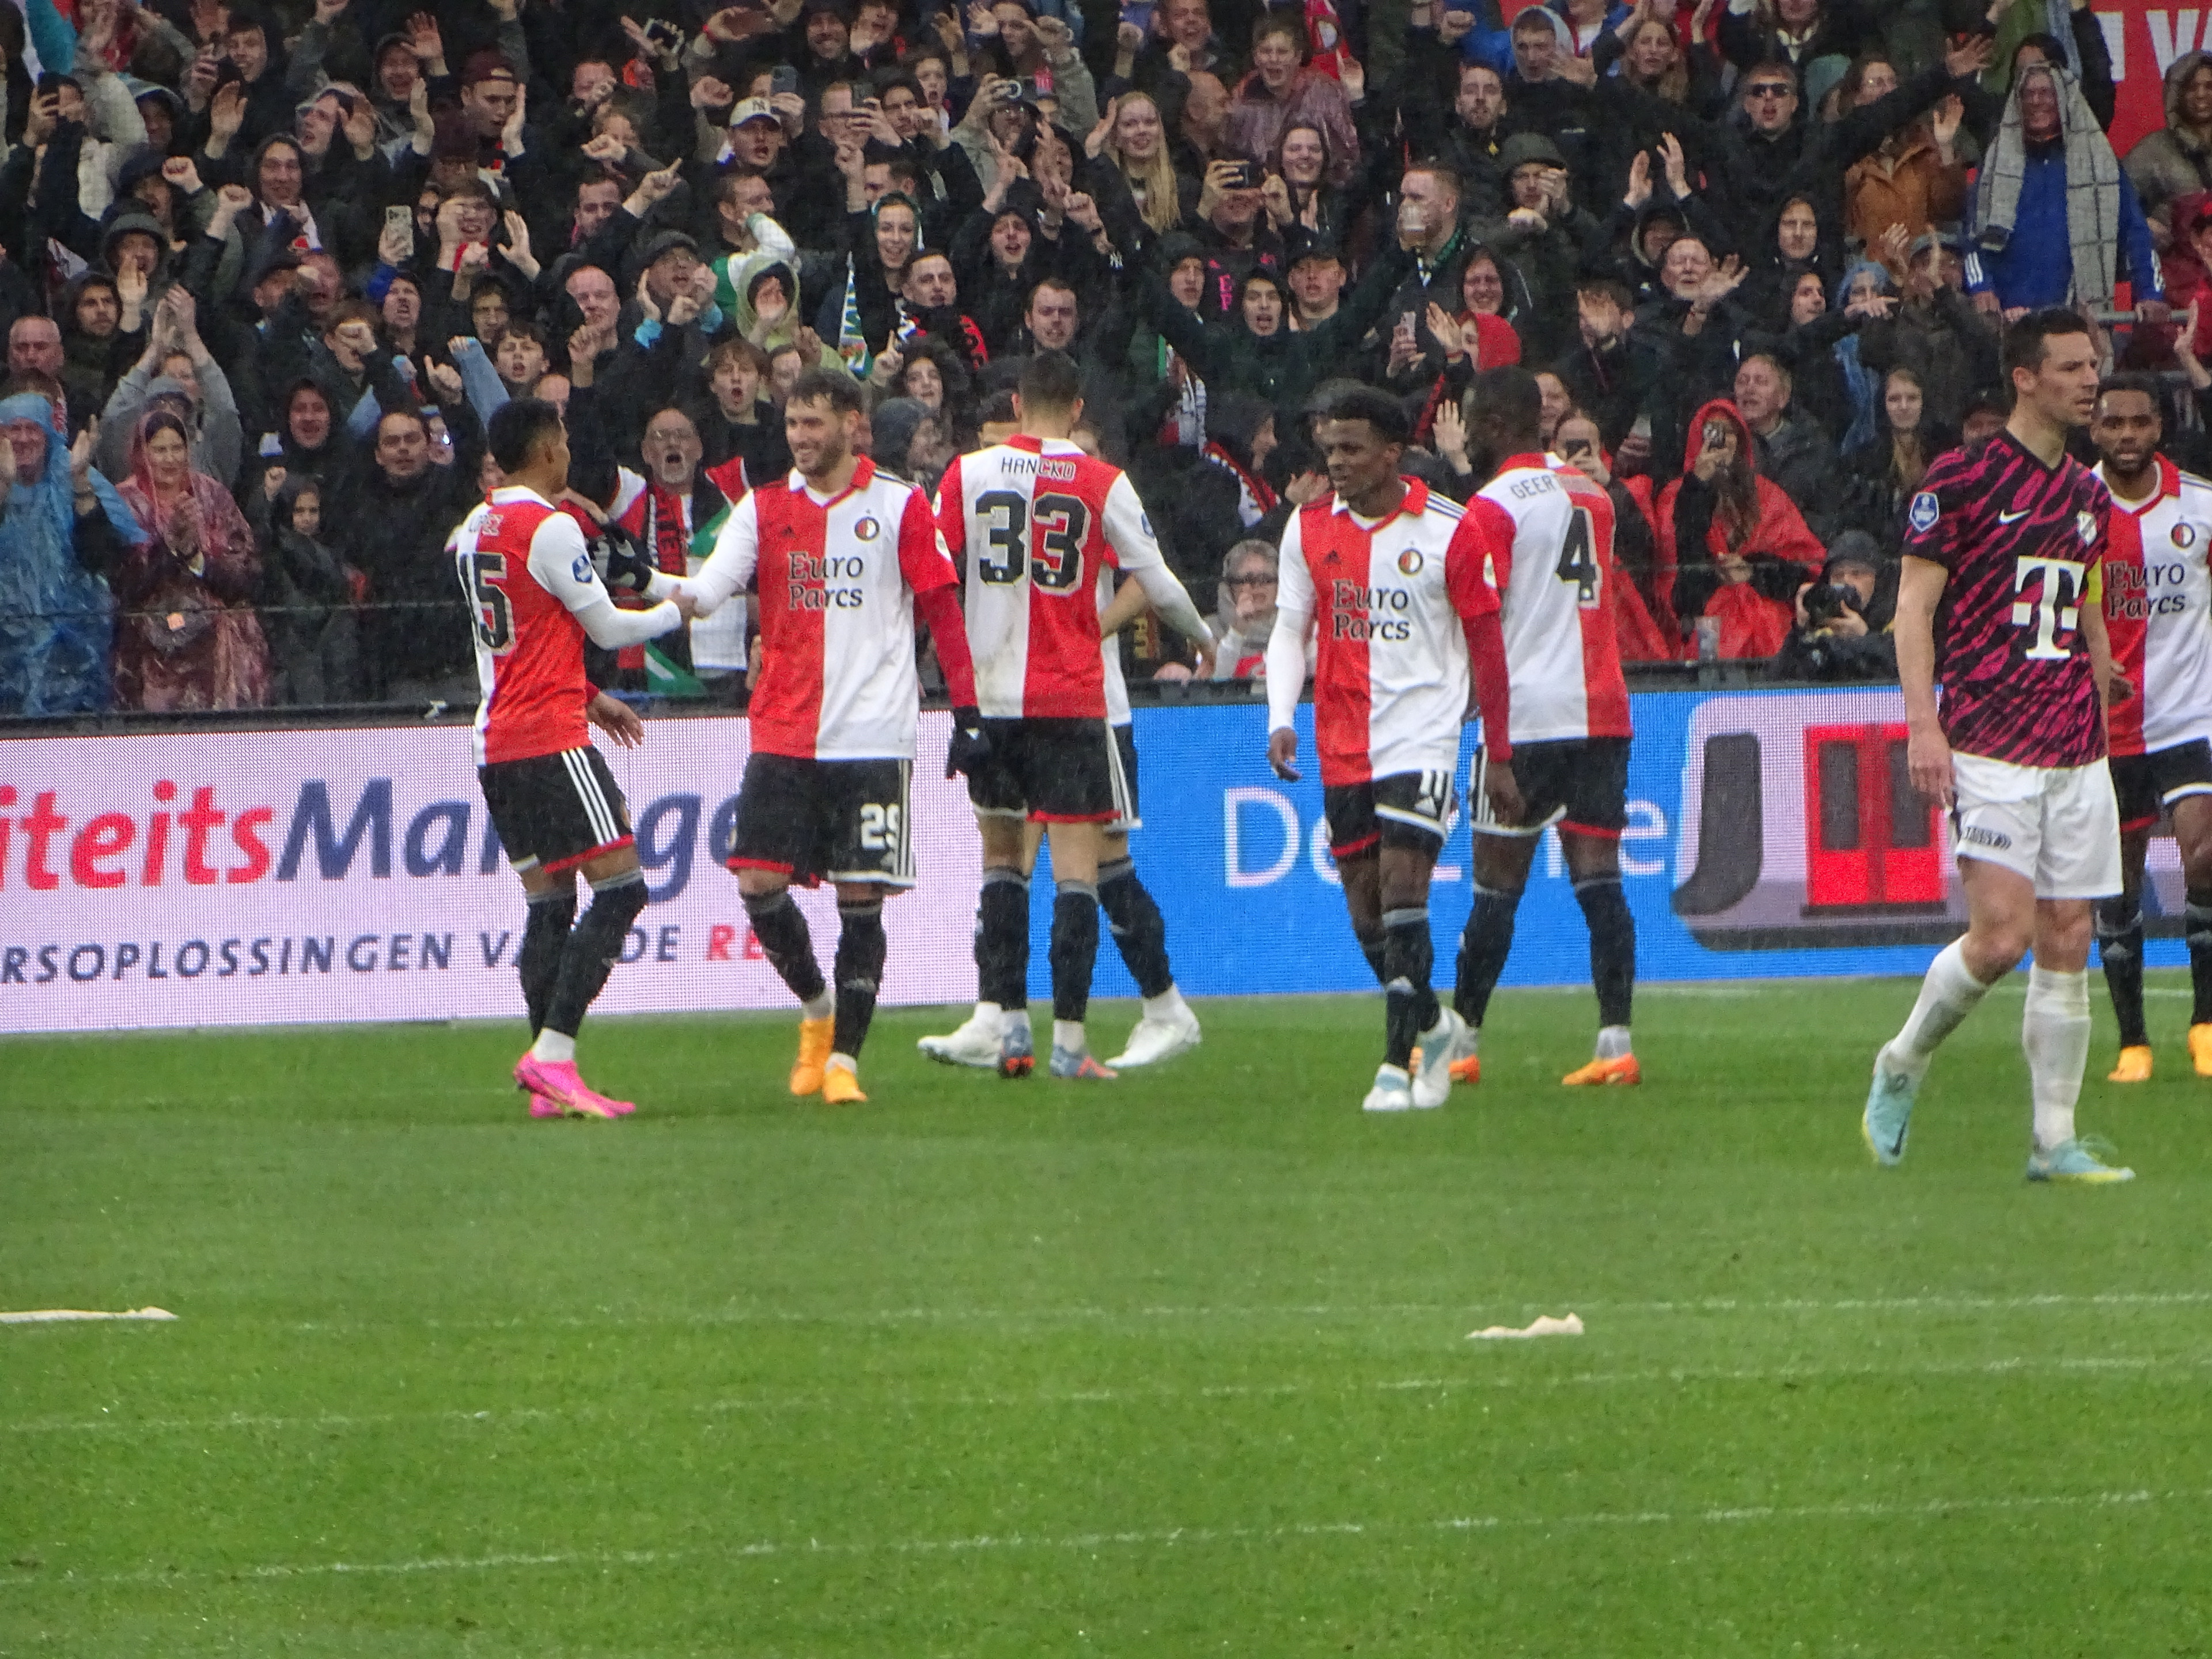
{"x": 268, "y": 271}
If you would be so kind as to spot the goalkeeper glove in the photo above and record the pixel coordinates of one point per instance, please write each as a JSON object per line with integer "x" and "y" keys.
{"x": 622, "y": 564}
{"x": 970, "y": 748}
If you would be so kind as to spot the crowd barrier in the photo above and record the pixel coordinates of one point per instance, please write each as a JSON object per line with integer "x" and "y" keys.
{"x": 221, "y": 878}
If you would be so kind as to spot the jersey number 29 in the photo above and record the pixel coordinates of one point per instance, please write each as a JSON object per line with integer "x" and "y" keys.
{"x": 1054, "y": 559}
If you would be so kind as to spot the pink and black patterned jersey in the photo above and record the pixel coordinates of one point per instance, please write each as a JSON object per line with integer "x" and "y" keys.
{"x": 2019, "y": 539}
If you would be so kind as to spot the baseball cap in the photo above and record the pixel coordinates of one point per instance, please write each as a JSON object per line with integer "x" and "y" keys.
{"x": 486, "y": 65}
{"x": 753, "y": 109}
{"x": 1320, "y": 248}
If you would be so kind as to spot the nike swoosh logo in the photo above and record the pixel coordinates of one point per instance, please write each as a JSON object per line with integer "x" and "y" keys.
{"x": 2013, "y": 518}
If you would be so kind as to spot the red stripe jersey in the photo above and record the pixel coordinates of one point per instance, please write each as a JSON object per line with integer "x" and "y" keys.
{"x": 524, "y": 566}
{"x": 2018, "y": 540}
{"x": 1390, "y": 675}
{"x": 1554, "y": 586}
{"x": 1035, "y": 520}
{"x": 2158, "y": 613}
{"x": 836, "y": 578}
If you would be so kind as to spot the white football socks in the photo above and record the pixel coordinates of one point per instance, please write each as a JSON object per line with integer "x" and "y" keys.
{"x": 1948, "y": 995}
{"x": 820, "y": 1007}
{"x": 2054, "y": 1030}
{"x": 1613, "y": 1042}
{"x": 1068, "y": 1034}
{"x": 1168, "y": 1004}
{"x": 553, "y": 1047}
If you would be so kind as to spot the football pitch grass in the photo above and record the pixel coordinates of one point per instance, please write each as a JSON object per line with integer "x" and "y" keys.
{"x": 1172, "y": 1366}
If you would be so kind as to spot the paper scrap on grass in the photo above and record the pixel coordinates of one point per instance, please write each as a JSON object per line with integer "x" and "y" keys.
{"x": 1542, "y": 1325}
{"x": 66, "y": 1316}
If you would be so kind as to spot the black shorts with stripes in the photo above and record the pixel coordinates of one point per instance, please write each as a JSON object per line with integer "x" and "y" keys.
{"x": 1054, "y": 770}
{"x": 826, "y": 820}
{"x": 553, "y": 812}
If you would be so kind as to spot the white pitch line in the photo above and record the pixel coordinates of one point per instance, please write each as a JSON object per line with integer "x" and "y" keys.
{"x": 2059, "y": 1301}
{"x": 764, "y": 1404}
{"x": 1168, "y": 1537}
{"x": 80, "y": 1316}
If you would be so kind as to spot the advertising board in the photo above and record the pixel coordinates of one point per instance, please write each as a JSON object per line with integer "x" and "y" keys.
{"x": 195, "y": 878}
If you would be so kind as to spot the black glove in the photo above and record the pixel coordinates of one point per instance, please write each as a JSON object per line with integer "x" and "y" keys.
{"x": 620, "y": 562}
{"x": 970, "y": 749}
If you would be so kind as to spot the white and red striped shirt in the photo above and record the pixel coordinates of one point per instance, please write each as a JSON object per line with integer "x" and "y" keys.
{"x": 524, "y": 566}
{"x": 2158, "y": 613}
{"x": 1036, "y": 520}
{"x": 1553, "y": 576}
{"x": 1390, "y": 676}
{"x": 838, "y": 578}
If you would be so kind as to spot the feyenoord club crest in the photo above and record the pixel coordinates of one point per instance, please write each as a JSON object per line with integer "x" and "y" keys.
{"x": 1409, "y": 562}
{"x": 866, "y": 529}
{"x": 2184, "y": 535}
{"x": 1925, "y": 511}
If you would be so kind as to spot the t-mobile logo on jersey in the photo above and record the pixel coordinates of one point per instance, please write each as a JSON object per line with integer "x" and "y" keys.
{"x": 2051, "y": 611}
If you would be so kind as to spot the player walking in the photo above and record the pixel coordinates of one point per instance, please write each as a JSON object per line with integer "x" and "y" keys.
{"x": 535, "y": 597}
{"x": 1038, "y": 520}
{"x": 1395, "y": 578}
{"x": 844, "y": 557}
{"x": 1571, "y": 728}
{"x": 2004, "y": 541}
{"x": 2158, "y": 612}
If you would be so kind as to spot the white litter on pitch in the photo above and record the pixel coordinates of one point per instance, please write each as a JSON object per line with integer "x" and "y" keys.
{"x": 69, "y": 1315}
{"x": 1542, "y": 1325}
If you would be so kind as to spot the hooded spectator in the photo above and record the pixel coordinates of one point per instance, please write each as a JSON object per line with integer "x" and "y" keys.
{"x": 189, "y": 638}
{"x": 1731, "y": 544}
{"x": 2055, "y": 220}
{"x": 64, "y": 525}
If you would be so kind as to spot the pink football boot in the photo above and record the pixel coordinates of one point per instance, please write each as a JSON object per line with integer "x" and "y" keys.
{"x": 557, "y": 1080}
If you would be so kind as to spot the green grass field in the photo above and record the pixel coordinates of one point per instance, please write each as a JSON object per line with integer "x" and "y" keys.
{"x": 1171, "y": 1367}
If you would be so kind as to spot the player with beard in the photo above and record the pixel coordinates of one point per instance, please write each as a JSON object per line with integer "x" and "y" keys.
{"x": 2158, "y": 610}
{"x": 843, "y": 559}
{"x": 1554, "y": 579}
{"x": 1998, "y": 603}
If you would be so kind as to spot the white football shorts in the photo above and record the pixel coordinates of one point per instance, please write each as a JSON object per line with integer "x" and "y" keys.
{"x": 2059, "y": 826}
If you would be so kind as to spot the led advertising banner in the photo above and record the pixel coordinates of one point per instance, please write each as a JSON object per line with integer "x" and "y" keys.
{"x": 266, "y": 877}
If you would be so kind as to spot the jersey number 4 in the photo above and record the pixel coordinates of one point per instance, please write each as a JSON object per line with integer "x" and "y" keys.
{"x": 1053, "y": 556}
{"x": 494, "y": 617}
{"x": 1578, "y": 558}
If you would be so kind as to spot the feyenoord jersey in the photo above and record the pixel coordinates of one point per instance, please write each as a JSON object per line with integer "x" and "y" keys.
{"x": 836, "y": 579}
{"x": 1553, "y": 578}
{"x": 2019, "y": 540}
{"x": 1035, "y": 519}
{"x": 524, "y": 568}
{"x": 1391, "y": 676}
{"x": 2158, "y": 612}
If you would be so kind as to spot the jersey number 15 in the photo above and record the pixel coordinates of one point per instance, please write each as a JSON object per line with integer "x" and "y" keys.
{"x": 493, "y": 617}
